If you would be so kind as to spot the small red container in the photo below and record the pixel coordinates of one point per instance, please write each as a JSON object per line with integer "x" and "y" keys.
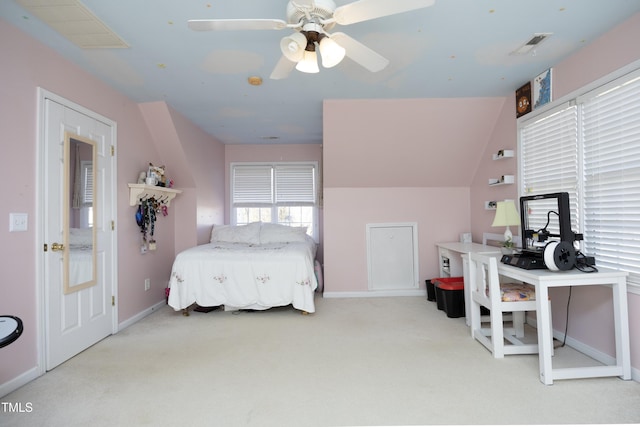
{"x": 436, "y": 284}
{"x": 450, "y": 295}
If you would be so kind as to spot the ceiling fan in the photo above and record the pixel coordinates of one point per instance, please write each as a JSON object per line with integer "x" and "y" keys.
{"x": 311, "y": 19}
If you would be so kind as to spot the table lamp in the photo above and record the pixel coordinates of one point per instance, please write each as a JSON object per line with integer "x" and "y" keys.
{"x": 506, "y": 215}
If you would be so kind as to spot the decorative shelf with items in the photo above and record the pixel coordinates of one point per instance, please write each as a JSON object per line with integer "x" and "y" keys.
{"x": 503, "y": 154}
{"x": 152, "y": 196}
{"x": 503, "y": 180}
{"x": 490, "y": 205}
{"x": 139, "y": 192}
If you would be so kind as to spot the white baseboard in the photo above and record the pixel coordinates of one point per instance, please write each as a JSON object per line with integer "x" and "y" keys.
{"x": 19, "y": 381}
{"x": 130, "y": 321}
{"x": 374, "y": 294}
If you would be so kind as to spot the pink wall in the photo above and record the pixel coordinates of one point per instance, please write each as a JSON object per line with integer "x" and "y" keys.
{"x": 197, "y": 163}
{"x": 398, "y": 161}
{"x": 439, "y": 212}
{"x": 32, "y": 65}
{"x": 503, "y": 138}
{"x": 405, "y": 143}
{"x": 591, "y": 320}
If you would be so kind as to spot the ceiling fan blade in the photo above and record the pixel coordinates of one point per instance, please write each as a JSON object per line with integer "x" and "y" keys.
{"x": 235, "y": 24}
{"x": 364, "y": 10}
{"x": 282, "y": 69}
{"x": 361, "y": 54}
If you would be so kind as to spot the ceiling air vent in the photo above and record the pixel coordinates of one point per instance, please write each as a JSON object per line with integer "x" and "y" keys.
{"x": 74, "y": 21}
{"x": 531, "y": 44}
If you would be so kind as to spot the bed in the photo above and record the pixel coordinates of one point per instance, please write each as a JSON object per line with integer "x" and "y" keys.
{"x": 249, "y": 267}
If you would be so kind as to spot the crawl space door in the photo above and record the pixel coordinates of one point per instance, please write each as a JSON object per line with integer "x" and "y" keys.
{"x": 392, "y": 252}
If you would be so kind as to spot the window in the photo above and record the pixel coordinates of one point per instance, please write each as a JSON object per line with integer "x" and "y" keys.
{"x": 285, "y": 193}
{"x": 83, "y": 196}
{"x": 590, "y": 147}
{"x": 86, "y": 167}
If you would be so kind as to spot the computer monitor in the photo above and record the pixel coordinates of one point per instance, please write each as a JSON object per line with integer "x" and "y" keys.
{"x": 545, "y": 218}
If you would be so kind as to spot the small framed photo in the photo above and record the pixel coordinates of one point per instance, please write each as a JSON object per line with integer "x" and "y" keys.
{"x": 523, "y": 100}
{"x": 542, "y": 89}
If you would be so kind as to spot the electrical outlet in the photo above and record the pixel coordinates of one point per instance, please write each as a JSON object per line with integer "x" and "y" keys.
{"x": 147, "y": 284}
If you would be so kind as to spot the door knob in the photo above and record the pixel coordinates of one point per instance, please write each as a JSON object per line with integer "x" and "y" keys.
{"x": 57, "y": 247}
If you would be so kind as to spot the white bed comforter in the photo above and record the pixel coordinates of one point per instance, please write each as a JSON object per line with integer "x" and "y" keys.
{"x": 245, "y": 276}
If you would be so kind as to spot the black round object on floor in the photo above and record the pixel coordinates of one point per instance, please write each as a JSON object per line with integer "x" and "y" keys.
{"x": 10, "y": 329}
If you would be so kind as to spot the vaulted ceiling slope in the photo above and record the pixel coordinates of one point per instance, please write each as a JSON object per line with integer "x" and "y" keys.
{"x": 455, "y": 48}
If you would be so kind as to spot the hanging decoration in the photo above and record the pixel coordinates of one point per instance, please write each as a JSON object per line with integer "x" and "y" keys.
{"x": 146, "y": 215}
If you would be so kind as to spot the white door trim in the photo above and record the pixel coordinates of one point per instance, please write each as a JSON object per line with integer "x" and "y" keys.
{"x": 43, "y": 95}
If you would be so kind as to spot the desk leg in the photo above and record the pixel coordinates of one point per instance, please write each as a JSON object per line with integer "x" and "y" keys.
{"x": 545, "y": 330}
{"x": 621, "y": 321}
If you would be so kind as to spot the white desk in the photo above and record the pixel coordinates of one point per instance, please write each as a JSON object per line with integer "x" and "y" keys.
{"x": 453, "y": 261}
{"x": 545, "y": 279}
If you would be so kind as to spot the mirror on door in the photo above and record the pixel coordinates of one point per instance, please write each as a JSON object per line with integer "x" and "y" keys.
{"x": 79, "y": 213}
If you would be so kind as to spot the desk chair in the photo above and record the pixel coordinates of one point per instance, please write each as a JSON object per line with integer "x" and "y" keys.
{"x": 499, "y": 298}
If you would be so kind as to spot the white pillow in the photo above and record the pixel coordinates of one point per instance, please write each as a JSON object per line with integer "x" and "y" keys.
{"x": 278, "y": 233}
{"x": 249, "y": 233}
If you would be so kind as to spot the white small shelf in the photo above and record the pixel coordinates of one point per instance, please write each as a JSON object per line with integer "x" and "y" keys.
{"x": 143, "y": 191}
{"x": 503, "y": 154}
{"x": 504, "y": 179}
{"x": 490, "y": 205}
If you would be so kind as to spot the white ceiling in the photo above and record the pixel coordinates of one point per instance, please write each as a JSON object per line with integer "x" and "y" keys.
{"x": 456, "y": 48}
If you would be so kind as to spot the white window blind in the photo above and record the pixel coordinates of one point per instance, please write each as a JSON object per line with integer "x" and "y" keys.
{"x": 252, "y": 185}
{"x": 295, "y": 184}
{"x": 590, "y": 148}
{"x": 267, "y": 184}
{"x": 611, "y": 138}
{"x": 549, "y": 159}
{"x": 284, "y": 193}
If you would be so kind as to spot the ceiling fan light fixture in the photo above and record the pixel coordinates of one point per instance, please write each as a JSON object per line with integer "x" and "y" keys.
{"x": 309, "y": 63}
{"x": 331, "y": 52}
{"x": 293, "y": 46}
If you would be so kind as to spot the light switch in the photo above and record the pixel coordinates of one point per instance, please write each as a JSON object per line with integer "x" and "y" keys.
{"x": 18, "y": 221}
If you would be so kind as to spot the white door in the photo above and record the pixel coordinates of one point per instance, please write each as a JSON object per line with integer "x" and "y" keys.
{"x": 75, "y": 320}
{"x": 392, "y": 256}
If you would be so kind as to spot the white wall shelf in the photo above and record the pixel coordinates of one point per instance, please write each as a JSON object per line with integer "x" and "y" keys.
{"x": 143, "y": 191}
{"x": 503, "y": 180}
{"x": 503, "y": 154}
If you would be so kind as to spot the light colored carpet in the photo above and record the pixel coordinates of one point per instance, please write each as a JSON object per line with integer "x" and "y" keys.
{"x": 373, "y": 361}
